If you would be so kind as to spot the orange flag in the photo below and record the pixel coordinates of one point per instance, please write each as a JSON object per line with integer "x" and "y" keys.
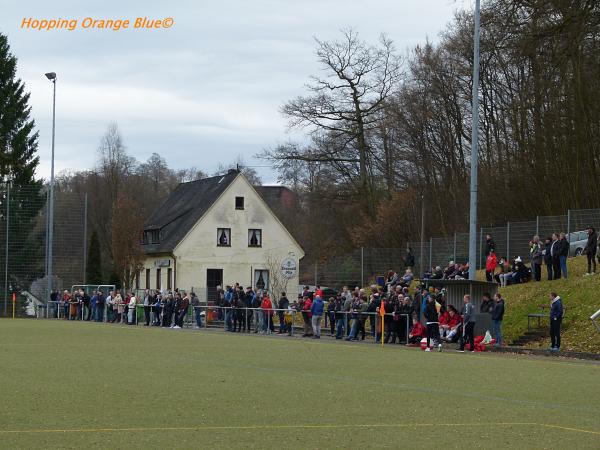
{"x": 382, "y": 315}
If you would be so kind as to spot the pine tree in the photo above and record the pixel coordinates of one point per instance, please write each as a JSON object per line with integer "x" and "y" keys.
{"x": 94, "y": 261}
{"x": 18, "y": 140}
{"x": 18, "y": 161}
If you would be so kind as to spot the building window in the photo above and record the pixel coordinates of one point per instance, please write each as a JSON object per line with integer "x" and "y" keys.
{"x": 254, "y": 238}
{"x": 223, "y": 237}
{"x": 137, "y": 279}
{"x": 261, "y": 279}
{"x": 147, "y": 278}
{"x": 151, "y": 237}
{"x": 158, "y": 279}
{"x": 239, "y": 203}
{"x": 169, "y": 275}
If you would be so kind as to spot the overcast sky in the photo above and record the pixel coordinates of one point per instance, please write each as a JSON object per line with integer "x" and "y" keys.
{"x": 202, "y": 92}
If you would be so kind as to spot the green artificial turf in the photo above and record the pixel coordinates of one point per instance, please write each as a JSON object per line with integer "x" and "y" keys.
{"x": 88, "y": 385}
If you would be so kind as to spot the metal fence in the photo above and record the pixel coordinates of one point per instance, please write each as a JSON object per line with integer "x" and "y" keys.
{"x": 362, "y": 266}
{"x": 23, "y": 243}
{"x": 342, "y": 324}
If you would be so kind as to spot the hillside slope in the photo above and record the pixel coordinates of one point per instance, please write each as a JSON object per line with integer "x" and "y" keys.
{"x": 581, "y": 297}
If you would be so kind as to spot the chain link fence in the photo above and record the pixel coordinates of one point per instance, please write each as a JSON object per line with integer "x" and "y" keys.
{"x": 23, "y": 245}
{"x": 362, "y": 266}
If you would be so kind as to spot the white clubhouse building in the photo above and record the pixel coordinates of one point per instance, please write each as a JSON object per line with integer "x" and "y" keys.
{"x": 214, "y": 232}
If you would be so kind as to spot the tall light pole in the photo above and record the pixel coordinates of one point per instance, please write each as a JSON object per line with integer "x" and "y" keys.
{"x": 474, "y": 149}
{"x": 52, "y": 77}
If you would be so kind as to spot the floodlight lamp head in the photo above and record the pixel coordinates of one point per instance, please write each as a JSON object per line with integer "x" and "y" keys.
{"x": 51, "y": 76}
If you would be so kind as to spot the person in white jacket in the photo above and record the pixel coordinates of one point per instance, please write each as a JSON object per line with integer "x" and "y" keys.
{"x": 131, "y": 312}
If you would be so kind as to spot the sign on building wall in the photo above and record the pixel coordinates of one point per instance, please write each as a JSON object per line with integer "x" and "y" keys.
{"x": 289, "y": 268}
{"x": 162, "y": 263}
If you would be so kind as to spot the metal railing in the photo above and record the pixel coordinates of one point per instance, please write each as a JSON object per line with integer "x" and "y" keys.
{"x": 339, "y": 324}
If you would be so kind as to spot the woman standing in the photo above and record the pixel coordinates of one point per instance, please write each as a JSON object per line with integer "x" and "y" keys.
{"x": 118, "y": 302}
{"x": 131, "y": 313}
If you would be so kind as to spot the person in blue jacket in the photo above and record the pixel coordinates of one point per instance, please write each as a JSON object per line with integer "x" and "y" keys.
{"x": 317, "y": 314}
{"x": 556, "y": 316}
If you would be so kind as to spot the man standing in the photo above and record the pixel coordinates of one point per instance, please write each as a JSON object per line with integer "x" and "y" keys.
{"x": 556, "y": 316}
{"x": 468, "y": 313}
{"x": 548, "y": 257}
{"x": 227, "y": 304}
{"x": 535, "y": 251}
{"x": 282, "y": 307}
{"x": 148, "y": 300}
{"x": 100, "y": 302}
{"x": 489, "y": 244}
{"x": 316, "y": 310}
{"x": 339, "y": 317}
{"x": 195, "y": 302}
{"x": 182, "y": 311}
{"x": 555, "y": 253}
{"x": 497, "y": 317}
{"x": 93, "y": 303}
{"x": 590, "y": 250}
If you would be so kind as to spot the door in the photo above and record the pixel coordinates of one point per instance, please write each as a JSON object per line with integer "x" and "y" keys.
{"x": 214, "y": 278}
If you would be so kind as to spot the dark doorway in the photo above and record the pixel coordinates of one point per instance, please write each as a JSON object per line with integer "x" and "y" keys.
{"x": 214, "y": 278}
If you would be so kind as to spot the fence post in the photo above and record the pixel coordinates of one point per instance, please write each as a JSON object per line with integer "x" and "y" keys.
{"x": 537, "y": 225}
{"x": 480, "y": 247}
{"x": 430, "y": 252}
{"x": 85, "y": 206}
{"x": 6, "y": 250}
{"x": 568, "y": 223}
{"x": 508, "y": 241}
{"x": 362, "y": 266}
{"x": 454, "y": 258}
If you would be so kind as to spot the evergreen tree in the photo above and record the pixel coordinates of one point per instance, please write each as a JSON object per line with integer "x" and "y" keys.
{"x": 94, "y": 261}
{"x": 18, "y": 140}
{"x": 18, "y": 161}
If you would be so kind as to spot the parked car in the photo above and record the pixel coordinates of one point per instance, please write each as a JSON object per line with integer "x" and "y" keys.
{"x": 327, "y": 291}
{"x": 577, "y": 241}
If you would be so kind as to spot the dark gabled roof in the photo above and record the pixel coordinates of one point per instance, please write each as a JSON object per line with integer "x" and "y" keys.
{"x": 183, "y": 208}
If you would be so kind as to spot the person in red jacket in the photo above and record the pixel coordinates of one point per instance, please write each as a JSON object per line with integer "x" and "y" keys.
{"x": 318, "y": 291}
{"x": 267, "y": 309}
{"x": 443, "y": 324}
{"x": 490, "y": 266}
{"x": 454, "y": 323}
{"x": 307, "y": 316}
{"x": 417, "y": 332}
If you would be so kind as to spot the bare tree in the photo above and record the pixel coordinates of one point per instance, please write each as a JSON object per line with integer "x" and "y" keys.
{"x": 127, "y": 224}
{"x": 277, "y": 282}
{"x": 343, "y": 107}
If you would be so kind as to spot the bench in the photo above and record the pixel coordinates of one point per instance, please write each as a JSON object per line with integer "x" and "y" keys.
{"x": 537, "y": 316}
{"x": 541, "y": 315}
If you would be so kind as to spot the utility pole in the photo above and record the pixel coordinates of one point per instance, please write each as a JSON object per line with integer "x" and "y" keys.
{"x": 52, "y": 77}
{"x": 422, "y": 232}
{"x": 474, "y": 149}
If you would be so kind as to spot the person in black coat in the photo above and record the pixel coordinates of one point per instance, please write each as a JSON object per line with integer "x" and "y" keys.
{"x": 282, "y": 306}
{"x": 548, "y": 257}
{"x": 406, "y": 311}
{"x": 497, "y": 317}
{"x": 555, "y": 253}
{"x": 433, "y": 325}
{"x": 590, "y": 250}
{"x": 489, "y": 244}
